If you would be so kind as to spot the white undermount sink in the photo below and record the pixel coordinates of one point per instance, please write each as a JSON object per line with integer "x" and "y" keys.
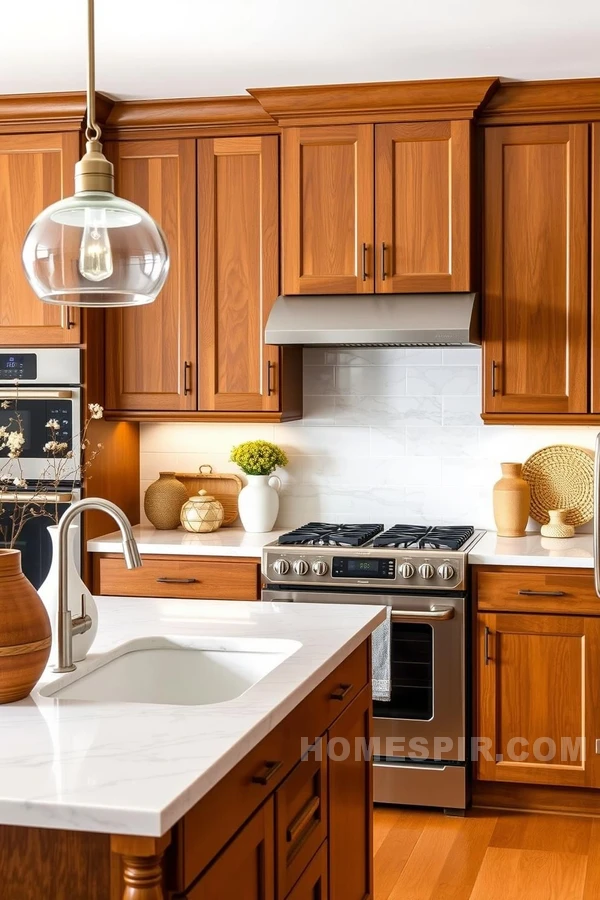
{"x": 188, "y": 671}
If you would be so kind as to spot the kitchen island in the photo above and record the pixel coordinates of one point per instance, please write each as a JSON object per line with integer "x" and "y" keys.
{"x": 155, "y": 800}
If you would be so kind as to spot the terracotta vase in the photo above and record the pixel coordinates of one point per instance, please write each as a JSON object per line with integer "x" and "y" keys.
{"x": 163, "y": 501}
{"x": 25, "y": 634}
{"x": 511, "y": 501}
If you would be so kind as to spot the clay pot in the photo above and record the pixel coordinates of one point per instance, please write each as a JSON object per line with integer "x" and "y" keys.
{"x": 25, "y": 634}
{"x": 163, "y": 501}
{"x": 557, "y": 527}
{"x": 511, "y": 501}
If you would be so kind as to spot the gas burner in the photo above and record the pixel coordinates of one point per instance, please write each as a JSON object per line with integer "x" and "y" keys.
{"x": 421, "y": 537}
{"x": 321, "y": 534}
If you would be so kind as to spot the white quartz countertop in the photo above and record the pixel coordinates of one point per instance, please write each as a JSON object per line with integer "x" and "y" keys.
{"x": 137, "y": 768}
{"x": 224, "y": 542}
{"x": 534, "y": 550}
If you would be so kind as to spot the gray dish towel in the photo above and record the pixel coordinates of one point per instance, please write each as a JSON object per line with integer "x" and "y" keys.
{"x": 381, "y": 656}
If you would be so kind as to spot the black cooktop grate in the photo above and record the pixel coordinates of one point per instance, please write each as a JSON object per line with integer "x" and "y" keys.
{"x": 321, "y": 534}
{"x": 422, "y": 537}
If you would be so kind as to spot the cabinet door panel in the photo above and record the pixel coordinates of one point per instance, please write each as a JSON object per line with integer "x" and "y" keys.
{"x": 535, "y": 269}
{"x": 148, "y": 347}
{"x": 238, "y": 272}
{"x": 350, "y": 833}
{"x": 537, "y": 689}
{"x": 423, "y": 205}
{"x": 313, "y": 883}
{"x": 595, "y": 271}
{"x": 35, "y": 171}
{"x": 246, "y": 868}
{"x": 327, "y": 196}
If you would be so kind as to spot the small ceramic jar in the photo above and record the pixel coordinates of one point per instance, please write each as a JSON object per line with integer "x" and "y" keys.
{"x": 557, "y": 527}
{"x": 202, "y": 513}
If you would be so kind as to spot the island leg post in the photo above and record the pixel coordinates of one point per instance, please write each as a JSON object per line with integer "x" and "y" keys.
{"x": 141, "y": 870}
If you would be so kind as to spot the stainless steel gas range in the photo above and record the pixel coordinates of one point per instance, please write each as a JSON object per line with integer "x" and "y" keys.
{"x": 421, "y": 733}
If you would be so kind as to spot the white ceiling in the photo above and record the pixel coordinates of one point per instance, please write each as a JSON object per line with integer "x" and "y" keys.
{"x": 177, "y": 48}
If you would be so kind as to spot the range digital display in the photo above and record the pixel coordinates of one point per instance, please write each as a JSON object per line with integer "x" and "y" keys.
{"x": 363, "y": 567}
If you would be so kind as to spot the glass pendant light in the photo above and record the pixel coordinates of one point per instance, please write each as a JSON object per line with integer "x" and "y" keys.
{"x": 94, "y": 248}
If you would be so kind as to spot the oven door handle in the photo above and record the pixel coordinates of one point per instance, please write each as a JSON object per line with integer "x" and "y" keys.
{"x": 32, "y": 497}
{"x": 440, "y": 613}
{"x": 25, "y": 393}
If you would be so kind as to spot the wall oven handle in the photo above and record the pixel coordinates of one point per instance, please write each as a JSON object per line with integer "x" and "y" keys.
{"x": 26, "y": 393}
{"x": 440, "y": 613}
{"x": 25, "y": 497}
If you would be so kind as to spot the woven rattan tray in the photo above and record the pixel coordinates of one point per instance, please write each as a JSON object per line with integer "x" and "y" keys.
{"x": 225, "y": 488}
{"x": 561, "y": 477}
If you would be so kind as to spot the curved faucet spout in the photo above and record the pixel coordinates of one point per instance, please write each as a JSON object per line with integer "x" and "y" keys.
{"x": 66, "y": 625}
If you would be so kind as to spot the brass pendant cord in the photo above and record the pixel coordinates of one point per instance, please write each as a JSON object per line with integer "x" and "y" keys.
{"x": 92, "y": 132}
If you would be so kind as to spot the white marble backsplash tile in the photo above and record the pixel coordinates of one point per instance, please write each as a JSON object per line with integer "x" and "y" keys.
{"x": 388, "y": 435}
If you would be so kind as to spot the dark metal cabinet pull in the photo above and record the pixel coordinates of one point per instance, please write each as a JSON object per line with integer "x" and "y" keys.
{"x": 187, "y": 378}
{"x": 383, "y": 249}
{"x": 177, "y": 580}
{"x": 494, "y": 369}
{"x": 542, "y": 593}
{"x": 342, "y": 692}
{"x": 269, "y": 770}
{"x": 270, "y": 372}
{"x": 364, "y": 262}
{"x": 486, "y": 645}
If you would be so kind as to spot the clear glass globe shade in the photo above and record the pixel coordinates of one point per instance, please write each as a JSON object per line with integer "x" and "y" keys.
{"x": 95, "y": 249}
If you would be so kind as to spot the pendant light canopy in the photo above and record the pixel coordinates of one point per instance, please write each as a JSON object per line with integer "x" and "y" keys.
{"x": 95, "y": 249}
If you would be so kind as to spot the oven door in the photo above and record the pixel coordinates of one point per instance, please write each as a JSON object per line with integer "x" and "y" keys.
{"x": 34, "y": 541}
{"x": 35, "y": 407}
{"x": 425, "y": 717}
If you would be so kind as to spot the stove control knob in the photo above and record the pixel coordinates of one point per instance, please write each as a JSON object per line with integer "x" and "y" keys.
{"x": 320, "y": 567}
{"x": 446, "y": 571}
{"x": 281, "y": 566}
{"x": 300, "y": 567}
{"x": 426, "y": 571}
{"x": 407, "y": 570}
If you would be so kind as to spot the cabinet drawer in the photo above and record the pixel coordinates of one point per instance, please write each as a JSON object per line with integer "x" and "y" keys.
{"x": 536, "y": 590}
{"x": 301, "y": 818}
{"x": 313, "y": 883}
{"x": 229, "y": 804}
{"x": 188, "y": 577}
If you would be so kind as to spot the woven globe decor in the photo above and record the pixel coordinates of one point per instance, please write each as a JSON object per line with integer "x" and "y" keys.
{"x": 561, "y": 477}
{"x": 202, "y": 513}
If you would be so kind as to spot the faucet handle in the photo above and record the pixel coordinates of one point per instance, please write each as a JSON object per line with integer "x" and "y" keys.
{"x": 82, "y": 623}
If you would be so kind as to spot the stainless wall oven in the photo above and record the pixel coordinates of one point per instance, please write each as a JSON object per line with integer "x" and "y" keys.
{"x": 39, "y": 385}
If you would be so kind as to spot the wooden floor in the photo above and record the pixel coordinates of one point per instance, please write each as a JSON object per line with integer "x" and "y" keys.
{"x": 424, "y": 855}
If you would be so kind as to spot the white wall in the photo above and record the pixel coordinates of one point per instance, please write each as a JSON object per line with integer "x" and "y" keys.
{"x": 388, "y": 435}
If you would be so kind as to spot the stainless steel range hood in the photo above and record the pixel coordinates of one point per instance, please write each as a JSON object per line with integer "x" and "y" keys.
{"x": 376, "y": 320}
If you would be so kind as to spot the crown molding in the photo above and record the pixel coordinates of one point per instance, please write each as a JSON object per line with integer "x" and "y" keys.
{"x": 394, "y": 101}
{"x": 48, "y": 112}
{"x": 569, "y": 100}
{"x": 193, "y": 115}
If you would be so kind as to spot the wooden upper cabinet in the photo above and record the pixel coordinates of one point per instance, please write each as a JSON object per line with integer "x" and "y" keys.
{"x": 327, "y": 196}
{"x": 538, "y": 699}
{"x": 423, "y": 206}
{"x": 595, "y": 271}
{"x": 535, "y": 269}
{"x": 151, "y": 350}
{"x": 238, "y": 259}
{"x": 35, "y": 171}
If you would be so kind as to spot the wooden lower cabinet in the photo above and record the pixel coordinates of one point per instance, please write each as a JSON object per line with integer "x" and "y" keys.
{"x": 246, "y": 867}
{"x": 350, "y": 795}
{"x": 538, "y": 698}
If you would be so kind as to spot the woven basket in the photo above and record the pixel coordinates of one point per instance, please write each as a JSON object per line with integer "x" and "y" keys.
{"x": 561, "y": 477}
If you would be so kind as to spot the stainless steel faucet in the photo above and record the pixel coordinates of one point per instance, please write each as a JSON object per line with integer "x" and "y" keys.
{"x": 67, "y": 626}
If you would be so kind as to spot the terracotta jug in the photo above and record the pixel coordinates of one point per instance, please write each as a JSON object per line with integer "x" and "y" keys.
{"x": 511, "y": 501}
{"x": 25, "y": 634}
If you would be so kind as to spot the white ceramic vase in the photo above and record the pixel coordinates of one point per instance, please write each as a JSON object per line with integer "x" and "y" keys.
{"x": 259, "y": 503}
{"x": 49, "y": 594}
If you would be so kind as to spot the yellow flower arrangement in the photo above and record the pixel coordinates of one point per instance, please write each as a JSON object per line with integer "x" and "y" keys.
{"x": 258, "y": 457}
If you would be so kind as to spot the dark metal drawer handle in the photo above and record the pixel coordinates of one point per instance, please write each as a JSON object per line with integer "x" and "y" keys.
{"x": 303, "y": 819}
{"x": 268, "y": 772}
{"x": 542, "y": 593}
{"x": 177, "y": 580}
{"x": 486, "y": 645}
{"x": 342, "y": 692}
